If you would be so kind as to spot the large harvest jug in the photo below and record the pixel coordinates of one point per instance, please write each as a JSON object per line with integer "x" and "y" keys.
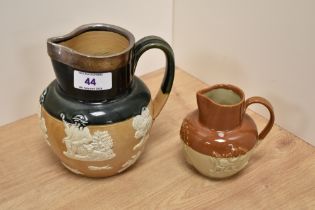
{"x": 97, "y": 115}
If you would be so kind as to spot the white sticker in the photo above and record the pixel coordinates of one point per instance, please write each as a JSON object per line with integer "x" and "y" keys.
{"x": 92, "y": 81}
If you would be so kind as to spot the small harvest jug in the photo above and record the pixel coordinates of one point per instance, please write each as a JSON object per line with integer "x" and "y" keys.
{"x": 97, "y": 115}
{"x": 219, "y": 137}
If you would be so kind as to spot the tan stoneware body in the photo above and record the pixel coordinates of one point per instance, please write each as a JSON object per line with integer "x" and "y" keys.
{"x": 123, "y": 150}
{"x": 219, "y": 137}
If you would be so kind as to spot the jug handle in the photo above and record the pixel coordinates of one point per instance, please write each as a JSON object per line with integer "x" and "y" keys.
{"x": 142, "y": 46}
{"x": 266, "y": 103}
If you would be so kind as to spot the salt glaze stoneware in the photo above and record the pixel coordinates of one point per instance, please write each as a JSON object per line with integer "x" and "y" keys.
{"x": 219, "y": 138}
{"x": 97, "y": 115}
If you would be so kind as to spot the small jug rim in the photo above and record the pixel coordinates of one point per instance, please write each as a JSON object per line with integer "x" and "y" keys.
{"x": 235, "y": 89}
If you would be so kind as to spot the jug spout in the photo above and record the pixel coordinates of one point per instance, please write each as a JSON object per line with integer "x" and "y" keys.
{"x": 221, "y": 107}
{"x": 93, "y": 62}
{"x": 93, "y": 47}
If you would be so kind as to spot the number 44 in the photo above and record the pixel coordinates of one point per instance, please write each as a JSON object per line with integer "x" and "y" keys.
{"x": 89, "y": 81}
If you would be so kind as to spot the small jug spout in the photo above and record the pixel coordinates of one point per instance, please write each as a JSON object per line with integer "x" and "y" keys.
{"x": 221, "y": 107}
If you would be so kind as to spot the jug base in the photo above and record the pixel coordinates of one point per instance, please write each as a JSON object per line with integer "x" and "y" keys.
{"x": 215, "y": 167}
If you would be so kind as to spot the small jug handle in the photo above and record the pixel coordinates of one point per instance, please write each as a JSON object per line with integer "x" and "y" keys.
{"x": 150, "y": 42}
{"x": 266, "y": 103}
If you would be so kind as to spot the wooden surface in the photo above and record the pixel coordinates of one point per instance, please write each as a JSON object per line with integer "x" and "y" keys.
{"x": 280, "y": 175}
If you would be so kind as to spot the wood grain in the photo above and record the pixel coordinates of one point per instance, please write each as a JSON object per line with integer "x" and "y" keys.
{"x": 280, "y": 175}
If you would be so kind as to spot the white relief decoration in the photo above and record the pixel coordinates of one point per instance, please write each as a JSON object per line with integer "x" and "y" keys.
{"x": 142, "y": 141}
{"x": 142, "y": 124}
{"x": 82, "y": 145}
{"x": 228, "y": 165}
{"x": 72, "y": 169}
{"x": 129, "y": 162}
{"x": 39, "y": 111}
{"x": 99, "y": 168}
{"x": 43, "y": 128}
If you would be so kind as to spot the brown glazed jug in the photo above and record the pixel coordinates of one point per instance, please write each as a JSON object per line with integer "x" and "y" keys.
{"x": 219, "y": 138}
{"x": 96, "y": 116}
